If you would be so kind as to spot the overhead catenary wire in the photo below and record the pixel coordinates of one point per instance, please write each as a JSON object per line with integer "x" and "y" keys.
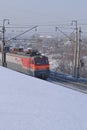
{"x": 22, "y": 33}
{"x": 65, "y": 34}
{"x": 60, "y": 27}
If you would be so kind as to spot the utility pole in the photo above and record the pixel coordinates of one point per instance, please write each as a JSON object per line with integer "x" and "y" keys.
{"x": 75, "y": 51}
{"x": 76, "y": 69}
{"x": 4, "y": 64}
{"x": 78, "y": 53}
{"x": 76, "y": 73}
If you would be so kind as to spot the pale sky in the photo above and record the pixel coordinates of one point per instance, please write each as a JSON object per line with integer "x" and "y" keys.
{"x": 42, "y": 11}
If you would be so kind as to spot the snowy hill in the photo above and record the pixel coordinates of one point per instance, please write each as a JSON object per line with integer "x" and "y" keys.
{"x": 27, "y": 103}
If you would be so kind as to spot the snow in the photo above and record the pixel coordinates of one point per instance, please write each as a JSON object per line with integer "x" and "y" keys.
{"x": 28, "y": 103}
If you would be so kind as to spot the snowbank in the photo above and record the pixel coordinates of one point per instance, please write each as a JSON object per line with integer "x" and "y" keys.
{"x": 27, "y": 103}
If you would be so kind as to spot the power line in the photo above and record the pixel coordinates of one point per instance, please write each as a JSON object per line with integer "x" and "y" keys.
{"x": 22, "y": 33}
{"x": 57, "y": 28}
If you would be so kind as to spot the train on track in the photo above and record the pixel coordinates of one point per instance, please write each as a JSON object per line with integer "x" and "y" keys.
{"x": 29, "y": 62}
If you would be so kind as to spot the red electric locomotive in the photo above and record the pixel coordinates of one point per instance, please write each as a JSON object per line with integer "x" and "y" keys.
{"x": 29, "y": 61}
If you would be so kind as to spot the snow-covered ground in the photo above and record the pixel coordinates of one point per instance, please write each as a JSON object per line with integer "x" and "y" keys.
{"x": 27, "y": 103}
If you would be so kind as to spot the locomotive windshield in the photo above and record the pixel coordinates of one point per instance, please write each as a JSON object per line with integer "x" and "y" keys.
{"x": 41, "y": 61}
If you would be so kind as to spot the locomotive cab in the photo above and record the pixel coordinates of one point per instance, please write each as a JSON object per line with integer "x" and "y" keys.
{"x": 41, "y": 60}
{"x": 41, "y": 67}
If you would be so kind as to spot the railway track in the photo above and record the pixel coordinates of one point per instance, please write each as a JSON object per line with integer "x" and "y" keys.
{"x": 78, "y": 85}
{"x": 62, "y": 79}
{"x": 70, "y": 84}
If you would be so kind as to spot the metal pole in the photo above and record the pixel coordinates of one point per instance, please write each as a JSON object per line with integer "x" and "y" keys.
{"x": 4, "y": 64}
{"x": 76, "y": 72}
{"x": 78, "y": 53}
{"x": 75, "y": 51}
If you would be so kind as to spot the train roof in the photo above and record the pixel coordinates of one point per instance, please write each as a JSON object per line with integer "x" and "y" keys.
{"x": 33, "y": 53}
{"x": 27, "y": 103}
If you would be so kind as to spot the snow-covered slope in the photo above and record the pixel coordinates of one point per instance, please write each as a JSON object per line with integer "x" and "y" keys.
{"x": 27, "y": 103}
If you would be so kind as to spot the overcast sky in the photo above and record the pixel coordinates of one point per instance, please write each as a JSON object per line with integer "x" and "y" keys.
{"x": 42, "y": 11}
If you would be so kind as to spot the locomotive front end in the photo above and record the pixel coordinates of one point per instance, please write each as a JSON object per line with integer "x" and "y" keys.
{"x": 41, "y": 67}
